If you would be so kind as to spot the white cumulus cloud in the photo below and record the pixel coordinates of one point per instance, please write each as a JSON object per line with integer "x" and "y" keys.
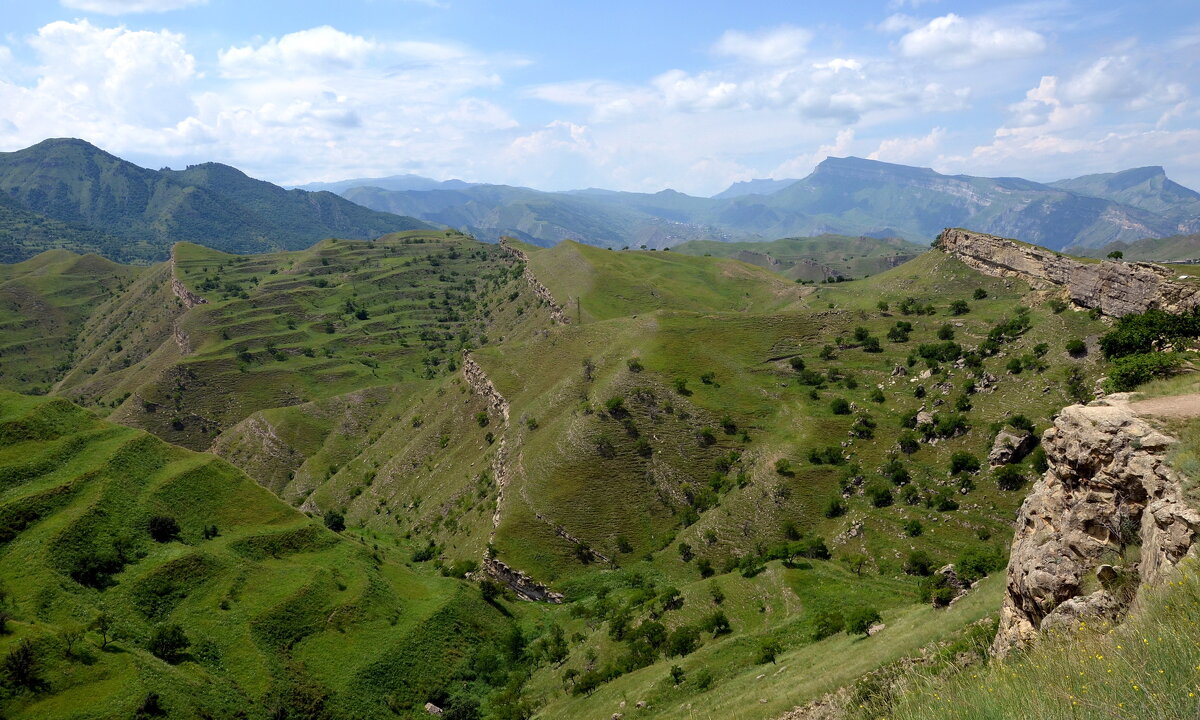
{"x": 956, "y": 41}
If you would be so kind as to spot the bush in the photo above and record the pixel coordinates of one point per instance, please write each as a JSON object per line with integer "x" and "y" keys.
{"x": 945, "y": 332}
{"x": 963, "y": 462}
{"x": 880, "y": 495}
{"x": 335, "y": 521}
{"x": 826, "y": 623}
{"x": 859, "y": 622}
{"x": 1150, "y": 331}
{"x": 681, "y": 386}
{"x": 1127, "y": 372}
{"x": 1057, "y": 305}
{"x": 871, "y": 345}
{"x": 21, "y": 666}
{"x": 164, "y": 528}
{"x": 980, "y": 294}
{"x": 913, "y": 527}
{"x": 1021, "y": 422}
{"x": 835, "y": 507}
{"x": 1076, "y": 348}
{"x": 908, "y": 443}
{"x": 168, "y": 642}
{"x": 768, "y": 649}
{"x": 919, "y": 563}
{"x": 959, "y": 307}
{"x": 615, "y": 405}
{"x": 682, "y": 641}
{"x": 1037, "y": 460}
{"x": 1009, "y": 477}
{"x": 975, "y": 564}
{"x": 839, "y": 406}
{"x": 797, "y": 363}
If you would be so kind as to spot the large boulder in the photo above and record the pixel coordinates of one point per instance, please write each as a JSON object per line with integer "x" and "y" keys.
{"x": 1011, "y": 446}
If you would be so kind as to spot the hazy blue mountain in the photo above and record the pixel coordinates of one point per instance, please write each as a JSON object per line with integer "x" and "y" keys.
{"x": 392, "y": 182}
{"x": 763, "y": 186}
{"x": 104, "y": 197}
{"x": 1147, "y": 188}
{"x": 842, "y": 196}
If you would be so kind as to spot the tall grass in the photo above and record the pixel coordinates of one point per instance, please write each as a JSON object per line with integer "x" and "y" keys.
{"x": 1147, "y": 667}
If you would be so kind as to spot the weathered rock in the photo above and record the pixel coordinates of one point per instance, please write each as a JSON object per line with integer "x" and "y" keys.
{"x": 899, "y": 371}
{"x": 540, "y": 290}
{"x": 1010, "y": 446}
{"x": 432, "y": 709}
{"x": 1104, "y": 489}
{"x": 924, "y": 417}
{"x": 524, "y": 586}
{"x": 1115, "y": 288}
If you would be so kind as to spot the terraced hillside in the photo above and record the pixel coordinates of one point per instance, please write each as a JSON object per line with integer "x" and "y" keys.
{"x": 717, "y": 467}
{"x": 114, "y": 544}
{"x": 815, "y": 259}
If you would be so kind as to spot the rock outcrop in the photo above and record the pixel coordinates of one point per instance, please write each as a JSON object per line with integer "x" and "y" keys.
{"x": 1108, "y": 487}
{"x": 181, "y": 291}
{"x": 1115, "y": 288}
{"x": 1010, "y": 446}
{"x": 540, "y": 290}
{"x": 524, "y": 586}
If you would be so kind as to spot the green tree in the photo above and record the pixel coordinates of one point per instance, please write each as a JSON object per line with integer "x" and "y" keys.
{"x": 859, "y": 621}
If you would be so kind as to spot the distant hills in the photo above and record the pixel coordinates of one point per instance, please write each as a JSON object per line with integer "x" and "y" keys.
{"x": 845, "y": 196}
{"x": 67, "y": 193}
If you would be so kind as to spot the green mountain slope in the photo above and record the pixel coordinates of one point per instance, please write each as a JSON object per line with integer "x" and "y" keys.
{"x": 1147, "y": 188}
{"x": 1177, "y": 248}
{"x": 284, "y": 617}
{"x": 73, "y": 182}
{"x": 699, "y": 423}
{"x": 813, "y": 259}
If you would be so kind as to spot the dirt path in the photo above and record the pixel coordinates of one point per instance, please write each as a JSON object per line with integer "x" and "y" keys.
{"x": 1177, "y": 406}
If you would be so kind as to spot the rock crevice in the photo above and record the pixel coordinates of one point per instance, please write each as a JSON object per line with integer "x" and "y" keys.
{"x": 1114, "y": 288}
{"x": 1109, "y": 489}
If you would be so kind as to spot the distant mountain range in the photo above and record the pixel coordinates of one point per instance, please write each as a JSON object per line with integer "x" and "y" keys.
{"x": 846, "y": 196}
{"x": 66, "y": 193}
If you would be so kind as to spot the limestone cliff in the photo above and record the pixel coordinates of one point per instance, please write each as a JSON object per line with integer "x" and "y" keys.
{"x": 1108, "y": 490}
{"x": 1115, "y": 288}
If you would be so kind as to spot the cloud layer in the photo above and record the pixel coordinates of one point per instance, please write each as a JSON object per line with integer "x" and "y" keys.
{"x": 977, "y": 94}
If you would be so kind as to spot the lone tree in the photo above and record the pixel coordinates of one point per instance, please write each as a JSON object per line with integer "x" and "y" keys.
{"x": 103, "y": 625}
{"x": 164, "y": 528}
{"x": 21, "y": 666}
{"x": 168, "y": 643}
{"x": 859, "y": 622}
{"x": 1116, "y": 255}
{"x": 335, "y": 521}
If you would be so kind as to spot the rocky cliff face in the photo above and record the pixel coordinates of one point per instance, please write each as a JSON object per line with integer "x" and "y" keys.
{"x": 542, "y": 292}
{"x": 1107, "y": 517}
{"x": 1115, "y": 288}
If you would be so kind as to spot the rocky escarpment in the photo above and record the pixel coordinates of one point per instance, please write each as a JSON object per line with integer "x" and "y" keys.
{"x": 1115, "y": 288}
{"x": 520, "y": 583}
{"x": 540, "y": 290}
{"x": 181, "y": 291}
{"x": 1108, "y": 490}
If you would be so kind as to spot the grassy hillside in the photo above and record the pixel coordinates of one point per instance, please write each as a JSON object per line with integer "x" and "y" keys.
{"x": 282, "y": 617}
{"x": 813, "y": 259}
{"x": 1176, "y": 248}
{"x": 67, "y": 193}
{"x": 44, "y": 303}
{"x": 709, "y": 460}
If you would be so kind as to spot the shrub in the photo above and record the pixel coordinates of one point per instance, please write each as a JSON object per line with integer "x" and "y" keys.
{"x": 877, "y": 396}
{"x": 681, "y": 386}
{"x": 1076, "y": 348}
{"x": 163, "y": 528}
{"x": 1057, "y": 305}
{"x": 797, "y": 363}
{"x": 975, "y": 564}
{"x": 1152, "y": 330}
{"x": 682, "y": 641}
{"x": 918, "y": 563}
{"x": 685, "y": 552}
{"x": 963, "y": 462}
{"x": 1127, "y": 372}
{"x": 21, "y": 666}
{"x": 1037, "y": 460}
{"x": 913, "y": 527}
{"x": 871, "y": 345}
{"x": 768, "y": 649}
{"x": 945, "y": 332}
{"x": 634, "y": 364}
{"x": 615, "y": 405}
{"x": 335, "y": 521}
{"x": 707, "y": 437}
{"x": 168, "y": 642}
{"x": 1009, "y": 477}
{"x": 835, "y": 507}
{"x": 908, "y": 443}
{"x": 826, "y": 623}
{"x": 708, "y": 378}
{"x": 980, "y": 294}
{"x": 859, "y": 621}
{"x": 880, "y": 495}
{"x": 1021, "y": 422}
{"x": 839, "y": 406}
{"x": 959, "y": 307}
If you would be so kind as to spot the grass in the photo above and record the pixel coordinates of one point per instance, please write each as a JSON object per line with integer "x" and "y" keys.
{"x": 1143, "y": 668}
{"x": 379, "y": 424}
{"x": 813, "y": 259}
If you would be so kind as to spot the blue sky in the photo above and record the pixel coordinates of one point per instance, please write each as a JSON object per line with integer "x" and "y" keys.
{"x": 627, "y": 95}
